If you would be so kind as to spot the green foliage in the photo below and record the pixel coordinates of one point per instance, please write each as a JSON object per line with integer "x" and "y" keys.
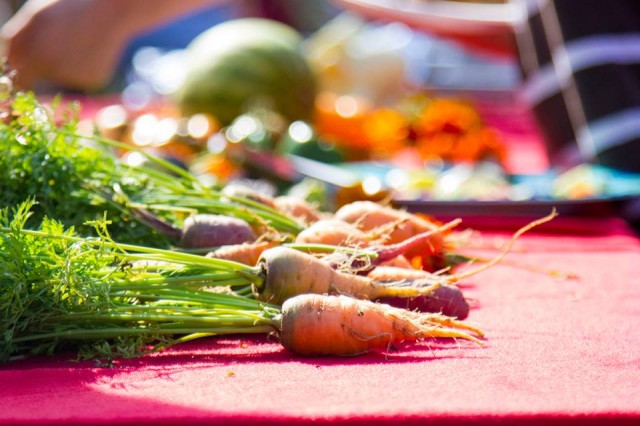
{"x": 42, "y": 278}
{"x": 41, "y": 159}
{"x": 58, "y": 290}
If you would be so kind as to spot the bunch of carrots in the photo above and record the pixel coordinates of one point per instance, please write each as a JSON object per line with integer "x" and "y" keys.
{"x": 108, "y": 300}
{"x": 238, "y": 262}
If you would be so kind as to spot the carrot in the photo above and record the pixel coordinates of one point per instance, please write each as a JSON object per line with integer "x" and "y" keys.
{"x": 392, "y": 226}
{"x": 447, "y": 299}
{"x": 333, "y": 232}
{"x": 297, "y": 208}
{"x": 391, "y": 273}
{"x": 316, "y": 325}
{"x": 421, "y": 243}
{"x": 245, "y": 253}
{"x": 287, "y": 272}
{"x": 209, "y": 230}
{"x": 400, "y": 262}
{"x": 202, "y": 230}
{"x": 368, "y": 215}
{"x": 424, "y": 242}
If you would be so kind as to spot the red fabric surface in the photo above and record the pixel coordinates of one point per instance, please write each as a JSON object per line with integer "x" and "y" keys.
{"x": 557, "y": 352}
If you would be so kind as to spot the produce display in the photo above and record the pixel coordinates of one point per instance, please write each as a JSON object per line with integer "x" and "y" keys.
{"x": 111, "y": 259}
{"x": 334, "y": 97}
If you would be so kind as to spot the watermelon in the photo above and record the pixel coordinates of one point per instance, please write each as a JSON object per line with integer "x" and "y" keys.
{"x": 246, "y": 62}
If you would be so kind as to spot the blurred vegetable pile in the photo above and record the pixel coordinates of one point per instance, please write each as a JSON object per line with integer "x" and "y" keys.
{"x": 233, "y": 105}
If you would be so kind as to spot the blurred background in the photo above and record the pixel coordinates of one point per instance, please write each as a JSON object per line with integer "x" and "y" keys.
{"x": 432, "y": 101}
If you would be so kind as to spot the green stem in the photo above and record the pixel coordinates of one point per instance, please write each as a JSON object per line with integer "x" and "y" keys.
{"x": 154, "y": 319}
{"x": 106, "y": 333}
{"x": 194, "y": 296}
{"x": 161, "y": 254}
{"x": 181, "y": 282}
{"x": 124, "y": 146}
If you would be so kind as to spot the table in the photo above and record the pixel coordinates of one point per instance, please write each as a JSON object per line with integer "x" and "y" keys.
{"x": 557, "y": 352}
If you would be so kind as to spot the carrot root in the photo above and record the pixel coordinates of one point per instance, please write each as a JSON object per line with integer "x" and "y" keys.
{"x": 287, "y": 273}
{"x": 422, "y": 241}
{"x": 446, "y": 299}
{"x": 316, "y": 325}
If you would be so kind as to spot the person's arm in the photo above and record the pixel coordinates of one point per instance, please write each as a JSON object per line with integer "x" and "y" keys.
{"x": 77, "y": 44}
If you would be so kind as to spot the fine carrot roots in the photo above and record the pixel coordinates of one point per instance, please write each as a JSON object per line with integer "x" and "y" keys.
{"x": 318, "y": 325}
{"x": 457, "y": 277}
{"x": 338, "y": 233}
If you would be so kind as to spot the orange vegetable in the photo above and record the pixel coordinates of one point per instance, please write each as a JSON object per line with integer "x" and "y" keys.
{"x": 368, "y": 215}
{"x": 297, "y": 208}
{"x": 316, "y": 325}
{"x": 245, "y": 253}
{"x": 287, "y": 273}
{"x": 333, "y": 232}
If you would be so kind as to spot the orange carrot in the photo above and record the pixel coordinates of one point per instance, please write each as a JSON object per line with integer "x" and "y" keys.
{"x": 246, "y": 253}
{"x": 394, "y": 273}
{"x": 333, "y": 232}
{"x": 316, "y": 325}
{"x": 368, "y": 215}
{"x": 297, "y": 208}
{"x": 400, "y": 262}
{"x": 421, "y": 243}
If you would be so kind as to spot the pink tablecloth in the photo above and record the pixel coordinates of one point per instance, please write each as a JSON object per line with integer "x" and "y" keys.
{"x": 558, "y": 352}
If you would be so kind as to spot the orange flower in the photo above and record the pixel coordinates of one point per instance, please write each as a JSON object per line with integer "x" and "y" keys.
{"x": 386, "y": 131}
{"x": 341, "y": 120}
{"x": 446, "y": 116}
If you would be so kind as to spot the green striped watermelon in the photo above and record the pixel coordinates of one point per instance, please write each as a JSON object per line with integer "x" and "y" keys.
{"x": 244, "y": 62}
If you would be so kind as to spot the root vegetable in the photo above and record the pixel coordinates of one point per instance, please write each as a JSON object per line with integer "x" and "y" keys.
{"x": 394, "y": 273}
{"x": 421, "y": 244}
{"x": 446, "y": 299}
{"x": 333, "y": 232}
{"x": 245, "y": 253}
{"x": 297, "y": 208}
{"x": 287, "y": 273}
{"x": 127, "y": 310}
{"x": 368, "y": 215}
{"x": 207, "y": 230}
{"x": 316, "y": 325}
